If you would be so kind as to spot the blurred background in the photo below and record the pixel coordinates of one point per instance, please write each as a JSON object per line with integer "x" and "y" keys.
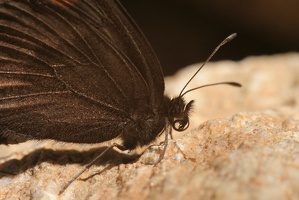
{"x": 183, "y": 32}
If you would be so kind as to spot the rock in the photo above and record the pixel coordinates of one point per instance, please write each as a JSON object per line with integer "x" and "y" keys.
{"x": 242, "y": 144}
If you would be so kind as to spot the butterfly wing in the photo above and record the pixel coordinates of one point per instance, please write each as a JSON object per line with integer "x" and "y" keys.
{"x": 74, "y": 67}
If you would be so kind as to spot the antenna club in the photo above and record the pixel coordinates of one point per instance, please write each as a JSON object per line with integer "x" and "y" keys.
{"x": 235, "y": 84}
{"x": 231, "y": 37}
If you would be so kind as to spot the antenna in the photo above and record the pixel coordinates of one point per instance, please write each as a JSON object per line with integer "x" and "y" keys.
{"x": 226, "y": 40}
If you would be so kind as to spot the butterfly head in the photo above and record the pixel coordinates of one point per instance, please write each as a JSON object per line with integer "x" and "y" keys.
{"x": 178, "y": 113}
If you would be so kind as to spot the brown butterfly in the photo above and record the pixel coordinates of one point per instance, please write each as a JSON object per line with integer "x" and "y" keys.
{"x": 81, "y": 71}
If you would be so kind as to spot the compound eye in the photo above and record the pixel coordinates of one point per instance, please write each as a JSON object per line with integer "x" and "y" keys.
{"x": 180, "y": 124}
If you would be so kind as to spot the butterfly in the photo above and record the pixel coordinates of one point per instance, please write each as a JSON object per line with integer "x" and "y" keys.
{"x": 81, "y": 71}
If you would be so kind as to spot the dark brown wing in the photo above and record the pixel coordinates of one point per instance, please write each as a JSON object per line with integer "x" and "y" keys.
{"x": 72, "y": 67}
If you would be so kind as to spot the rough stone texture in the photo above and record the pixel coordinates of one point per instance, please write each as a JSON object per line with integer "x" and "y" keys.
{"x": 243, "y": 143}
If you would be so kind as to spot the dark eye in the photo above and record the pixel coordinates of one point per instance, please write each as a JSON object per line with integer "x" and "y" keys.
{"x": 180, "y": 124}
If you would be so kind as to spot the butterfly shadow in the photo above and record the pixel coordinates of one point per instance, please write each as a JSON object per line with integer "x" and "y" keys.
{"x": 63, "y": 157}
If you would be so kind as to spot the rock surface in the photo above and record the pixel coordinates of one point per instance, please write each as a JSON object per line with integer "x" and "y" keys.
{"x": 243, "y": 143}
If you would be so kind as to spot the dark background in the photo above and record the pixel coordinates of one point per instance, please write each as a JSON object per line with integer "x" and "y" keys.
{"x": 183, "y": 32}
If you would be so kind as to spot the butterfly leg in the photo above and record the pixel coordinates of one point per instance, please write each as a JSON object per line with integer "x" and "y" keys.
{"x": 168, "y": 131}
{"x": 120, "y": 147}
